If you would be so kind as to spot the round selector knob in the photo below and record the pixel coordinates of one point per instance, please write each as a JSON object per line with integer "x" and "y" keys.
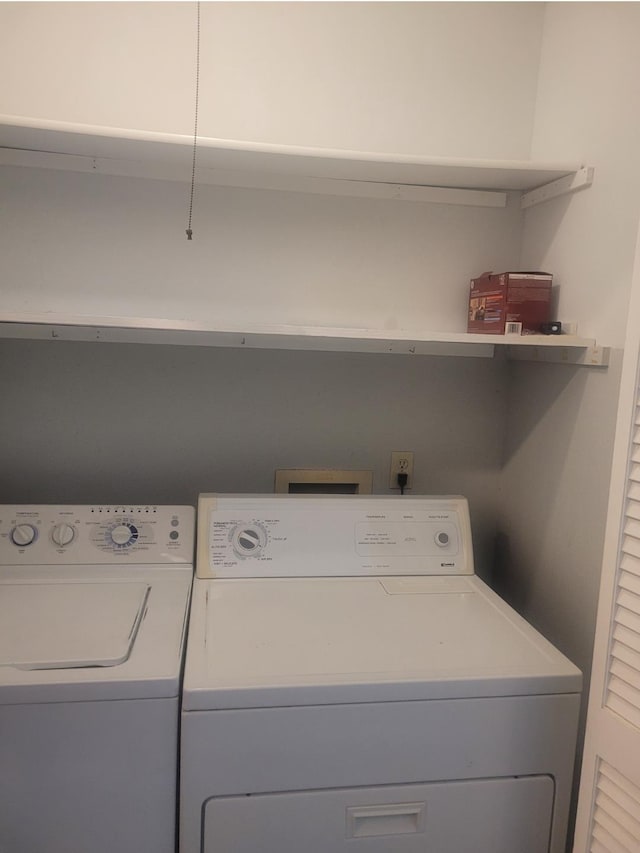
{"x": 62, "y": 535}
{"x": 123, "y": 535}
{"x": 23, "y": 535}
{"x": 442, "y": 539}
{"x": 248, "y": 541}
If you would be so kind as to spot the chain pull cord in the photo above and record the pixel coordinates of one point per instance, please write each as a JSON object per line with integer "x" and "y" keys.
{"x": 189, "y": 231}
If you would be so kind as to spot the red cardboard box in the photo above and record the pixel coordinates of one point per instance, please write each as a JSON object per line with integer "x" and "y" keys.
{"x": 496, "y": 301}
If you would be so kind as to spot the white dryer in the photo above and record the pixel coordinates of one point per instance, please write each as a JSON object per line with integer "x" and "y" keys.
{"x": 93, "y": 610}
{"x": 351, "y": 685}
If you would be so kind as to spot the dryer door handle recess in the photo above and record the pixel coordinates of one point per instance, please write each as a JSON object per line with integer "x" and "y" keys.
{"x": 391, "y": 819}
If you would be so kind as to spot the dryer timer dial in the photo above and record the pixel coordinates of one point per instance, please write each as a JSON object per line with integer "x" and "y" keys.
{"x": 248, "y": 540}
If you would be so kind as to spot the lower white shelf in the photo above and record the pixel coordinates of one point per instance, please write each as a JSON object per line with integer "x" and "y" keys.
{"x": 552, "y": 348}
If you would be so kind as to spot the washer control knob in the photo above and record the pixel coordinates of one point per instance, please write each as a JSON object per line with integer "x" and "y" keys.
{"x": 23, "y": 535}
{"x": 123, "y": 535}
{"x": 63, "y": 534}
{"x": 442, "y": 539}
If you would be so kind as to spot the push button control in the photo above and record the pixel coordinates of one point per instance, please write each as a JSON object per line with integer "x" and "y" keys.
{"x": 442, "y": 538}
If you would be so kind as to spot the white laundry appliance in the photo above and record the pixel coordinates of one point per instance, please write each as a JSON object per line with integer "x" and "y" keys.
{"x": 93, "y": 611}
{"x": 351, "y": 685}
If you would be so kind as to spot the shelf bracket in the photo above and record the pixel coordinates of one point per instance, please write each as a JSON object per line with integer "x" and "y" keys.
{"x": 591, "y": 356}
{"x": 565, "y": 349}
{"x": 577, "y": 181}
{"x": 253, "y": 179}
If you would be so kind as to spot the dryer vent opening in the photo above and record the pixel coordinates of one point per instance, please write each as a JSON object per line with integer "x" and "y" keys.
{"x": 323, "y": 481}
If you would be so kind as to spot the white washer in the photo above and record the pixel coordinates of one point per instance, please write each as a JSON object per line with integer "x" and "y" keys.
{"x": 93, "y": 610}
{"x": 350, "y": 684}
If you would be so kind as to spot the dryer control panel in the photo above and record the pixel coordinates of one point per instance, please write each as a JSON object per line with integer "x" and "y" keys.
{"x": 96, "y": 535}
{"x": 315, "y": 536}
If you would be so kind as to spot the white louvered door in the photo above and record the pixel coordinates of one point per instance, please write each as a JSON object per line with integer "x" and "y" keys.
{"x": 609, "y": 804}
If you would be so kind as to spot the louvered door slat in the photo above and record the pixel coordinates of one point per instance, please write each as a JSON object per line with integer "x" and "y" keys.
{"x": 627, "y": 618}
{"x": 629, "y": 601}
{"x": 630, "y": 582}
{"x": 634, "y": 474}
{"x": 611, "y": 835}
{"x": 623, "y": 708}
{"x": 609, "y": 772}
{"x": 628, "y": 656}
{"x": 632, "y": 527}
{"x": 628, "y": 637}
{"x": 623, "y": 801}
{"x": 616, "y": 816}
{"x": 633, "y": 509}
{"x": 625, "y": 676}
{"x": 631, "y": 545}
{"x": 619, "y": 815}
{"x": 630, "y": 564}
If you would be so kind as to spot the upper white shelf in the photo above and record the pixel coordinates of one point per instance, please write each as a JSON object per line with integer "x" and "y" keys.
{"x": 46, "y": 326}
{"x": 62, "y": 145}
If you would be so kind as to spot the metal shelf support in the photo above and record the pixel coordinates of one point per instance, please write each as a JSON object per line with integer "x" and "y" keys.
{"x": 569, "y": 184}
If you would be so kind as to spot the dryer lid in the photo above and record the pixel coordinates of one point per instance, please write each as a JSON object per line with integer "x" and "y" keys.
{"x": 311, "y": 641}
{"x": 69, "y": 625}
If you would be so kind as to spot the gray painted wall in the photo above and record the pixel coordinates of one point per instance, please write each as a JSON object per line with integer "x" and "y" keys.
{"x": 103, "y": 423}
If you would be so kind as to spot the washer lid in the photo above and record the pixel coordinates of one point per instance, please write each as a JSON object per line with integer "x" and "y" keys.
{"x": 69, "y": 625}
{"x": 277, "y": 642}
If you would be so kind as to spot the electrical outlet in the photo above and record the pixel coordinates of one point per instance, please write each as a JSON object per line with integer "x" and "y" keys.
{"x": 401, "y": 463}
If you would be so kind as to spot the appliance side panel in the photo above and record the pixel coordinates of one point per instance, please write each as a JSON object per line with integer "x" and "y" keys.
{"x": 89, "y": 776}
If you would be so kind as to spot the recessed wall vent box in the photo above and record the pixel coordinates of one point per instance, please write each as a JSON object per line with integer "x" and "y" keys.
{"x": 323, "y": 481}
{"x": 509, "y": 297}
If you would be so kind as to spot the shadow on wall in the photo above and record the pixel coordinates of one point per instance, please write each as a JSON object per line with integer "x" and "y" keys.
{"x": 537, "y": 452}
{"x": 503, "y": 580}
{"x": 553, "y": 497}
{"x": 533, "y": 466}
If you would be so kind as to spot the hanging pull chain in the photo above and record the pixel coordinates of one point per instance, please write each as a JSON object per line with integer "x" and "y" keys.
{"x": 189, "y": 231}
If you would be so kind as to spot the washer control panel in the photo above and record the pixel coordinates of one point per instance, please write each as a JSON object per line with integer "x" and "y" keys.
{"x": 66, "y": 535}
{"x": 283, "y": 536}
